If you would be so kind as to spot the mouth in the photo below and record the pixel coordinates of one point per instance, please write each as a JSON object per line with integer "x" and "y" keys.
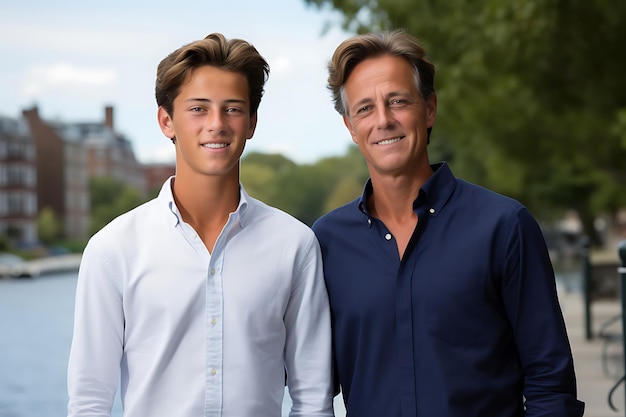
{"x": 215, "y": 145}
{"x": 390, "y": 141}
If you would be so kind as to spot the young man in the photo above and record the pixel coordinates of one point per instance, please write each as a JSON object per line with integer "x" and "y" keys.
{"x": 206, "y": 299}
{"x": 442, "y": 294}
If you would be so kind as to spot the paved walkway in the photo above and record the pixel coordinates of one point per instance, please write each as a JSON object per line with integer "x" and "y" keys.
{"x": 593, "y": 384}
{"x": 56, "y": 264}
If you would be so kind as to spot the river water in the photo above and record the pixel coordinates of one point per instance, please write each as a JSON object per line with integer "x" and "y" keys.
{"x": 35, "y": 335}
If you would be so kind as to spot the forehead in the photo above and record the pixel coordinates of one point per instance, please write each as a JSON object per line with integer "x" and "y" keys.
{"x": 211, "y": 80}
{"x": 383, "y": 68}
{"x": 380, "y": 74}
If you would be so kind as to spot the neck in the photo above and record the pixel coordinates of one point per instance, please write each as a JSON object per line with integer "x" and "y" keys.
{"x": 205, "y": 204}
{"x": 393, "y": 196}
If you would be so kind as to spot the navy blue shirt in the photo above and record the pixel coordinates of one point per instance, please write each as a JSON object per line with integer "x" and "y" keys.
{"x": 466, "y": 324}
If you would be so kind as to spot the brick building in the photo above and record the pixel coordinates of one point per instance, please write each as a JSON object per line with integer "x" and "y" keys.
{"x": 156, "y": 174}
{"x": 48, "y": 164}
{"x": 110, "y": 154}
{"x": 62, "y": 182}
{"x": 18, "y": 182}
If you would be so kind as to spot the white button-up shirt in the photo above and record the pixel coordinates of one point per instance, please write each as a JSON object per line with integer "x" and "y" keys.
{"x": 199, "y": 334}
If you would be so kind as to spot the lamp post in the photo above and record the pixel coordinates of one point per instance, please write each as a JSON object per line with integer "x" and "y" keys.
{"x": 586, "y": 269}
{"x": 621, "y": 270}
{"x": 621, "y": 251}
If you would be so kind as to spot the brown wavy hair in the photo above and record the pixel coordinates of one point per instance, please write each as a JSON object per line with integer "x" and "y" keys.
{"x": 361, "y": 47}
{"x": 235, "y": 55}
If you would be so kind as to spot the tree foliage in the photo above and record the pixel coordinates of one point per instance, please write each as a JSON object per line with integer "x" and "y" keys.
{"x": 304, "y": 191}
{"x": 49, "y": 228}
{"x": 109, "y": 198}
{"x": 532, "y": 93}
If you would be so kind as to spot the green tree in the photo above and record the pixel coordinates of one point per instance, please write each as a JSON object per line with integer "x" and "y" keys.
{"x": 304, "y": 191}
{"x": 298, "y": 191}
{"x": 532, "y": 94}
{"x": 259, "y": 180}
{"x": 5, "y": 245}
{"x": 276, "y": 161}
{"x": 110, "y": 198}
{"x": 346, "y": 190}
{"x": 48, "y": 226}
{"x": 348, "y": 174}
{"x": 260, "y": 173}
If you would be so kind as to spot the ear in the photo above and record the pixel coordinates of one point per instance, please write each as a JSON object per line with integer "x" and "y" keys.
{"x": 346, "y": 121}
{"x": 431, "y": 110}
{"x": 252, "y": 127}
{"x": 165, "y": 123}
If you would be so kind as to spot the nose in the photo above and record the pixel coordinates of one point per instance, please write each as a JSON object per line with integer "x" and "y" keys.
{"x": 384, "y": 117}
{"x": 214, "y": 121}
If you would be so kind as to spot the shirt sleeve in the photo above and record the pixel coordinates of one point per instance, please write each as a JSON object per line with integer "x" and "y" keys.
{"x": 308, "y": 344}
{"x": 530, "y": 298}
{"x": 96, "y": 351}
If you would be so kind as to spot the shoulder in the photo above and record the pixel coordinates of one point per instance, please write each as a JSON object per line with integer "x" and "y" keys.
{"x": 490, "y": 209}
{"x": 126, "y": 227}
{"x": 341, "y": 225}
{"x": 479, "y": 195}
{"x": 487, "y": 204}
{"x": 281, "y": 232}
{"x": 271, "y": 219}
{"x": 348, "y": 213}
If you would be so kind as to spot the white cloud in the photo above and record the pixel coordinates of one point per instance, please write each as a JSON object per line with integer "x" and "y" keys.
{"x": 281, "y": 65}
{"x": 71, "y": 58}
{"x": 79, "y": 34}
{"x": 66, "y": 77}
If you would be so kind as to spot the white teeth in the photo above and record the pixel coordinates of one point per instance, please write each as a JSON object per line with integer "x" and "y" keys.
{"x": 215, "y": 145}
{"x": 388, "y": 141}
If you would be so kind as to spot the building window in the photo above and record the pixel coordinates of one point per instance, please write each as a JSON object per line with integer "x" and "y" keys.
{"x": 16, "y": 150}
{"x": 15, "y": 175}
{"x": 16, "y": 203}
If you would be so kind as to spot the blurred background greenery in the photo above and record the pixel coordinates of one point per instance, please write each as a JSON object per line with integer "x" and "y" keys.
{"x": 532, "y": 104}
{"x": 532, "y": 95}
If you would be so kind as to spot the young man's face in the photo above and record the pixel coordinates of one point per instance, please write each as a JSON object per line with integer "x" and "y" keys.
{"x": 387, "y": 116}
{"x": 211, "y": 122}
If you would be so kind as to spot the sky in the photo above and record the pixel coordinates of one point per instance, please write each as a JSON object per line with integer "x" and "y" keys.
{"x": 73, "y": 58}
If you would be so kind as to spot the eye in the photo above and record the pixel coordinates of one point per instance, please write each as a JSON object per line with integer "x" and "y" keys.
{"x": 363, "y": 109}
{"x": 196, "y": 109}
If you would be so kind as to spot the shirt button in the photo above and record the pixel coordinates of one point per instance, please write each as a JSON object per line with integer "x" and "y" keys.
{"x": 213, "y": 322}
{"x": 212, "y": 271}
{"x": 369, "y": 221}
{"x": 432, "y": 211}
{"x": 388, "y": 236}
{"x": 213, "y": 372}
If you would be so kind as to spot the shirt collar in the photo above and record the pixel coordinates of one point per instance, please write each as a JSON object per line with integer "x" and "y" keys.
{"x": 437, "y": 190}
{"x": 434, "y": 193}
{"x": 166, "y": 199}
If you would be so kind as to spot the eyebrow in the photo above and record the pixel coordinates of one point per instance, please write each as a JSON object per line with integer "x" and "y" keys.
{"x": 362, "y": 102}
{"x": 388, "y": 96}
{"x": 206, "y": 100}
